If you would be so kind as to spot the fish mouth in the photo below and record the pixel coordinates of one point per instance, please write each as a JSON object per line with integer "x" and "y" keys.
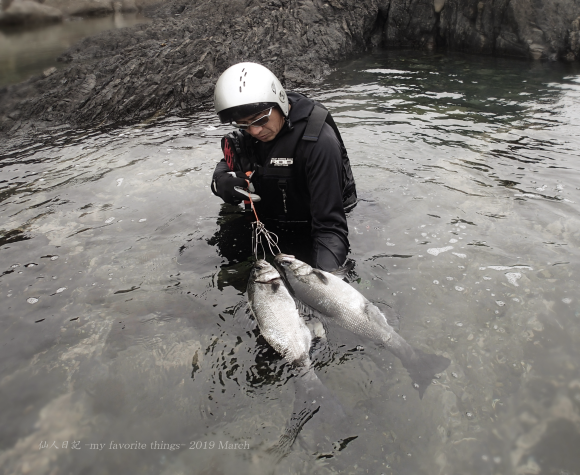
{"x": 269, "y": 280}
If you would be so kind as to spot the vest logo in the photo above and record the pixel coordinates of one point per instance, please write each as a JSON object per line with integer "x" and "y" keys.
{"x": 282, "y": 162}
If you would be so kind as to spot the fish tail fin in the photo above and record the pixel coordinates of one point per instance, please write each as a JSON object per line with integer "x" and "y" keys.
{"x": 423, "y": 368}
{"x": 310, "y": 392}
{"x": 312, "y": 399}
{"x": 293, "y": 427}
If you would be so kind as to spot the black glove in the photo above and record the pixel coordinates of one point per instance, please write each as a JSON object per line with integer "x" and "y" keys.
{"x": 223, "y": 185}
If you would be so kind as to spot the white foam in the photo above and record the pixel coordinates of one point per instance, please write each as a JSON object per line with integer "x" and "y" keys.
{"x": 387, "y": 71}
{"x": 110, "y": 220}
{"x": 506, "y": 267}
{"x": 513, "y": 278}
{"x": 32, "y": 300}
{"x": 435, "y": 251}
{"x": 458, "y": 254}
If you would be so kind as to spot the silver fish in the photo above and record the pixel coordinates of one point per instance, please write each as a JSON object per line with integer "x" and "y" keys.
{"x": 338, "y": 302}
{"x": 282, "y": 327}
{"x": 277, "y": 315}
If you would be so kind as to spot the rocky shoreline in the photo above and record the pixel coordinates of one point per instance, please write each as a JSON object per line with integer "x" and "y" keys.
{"x": 172, "y": 63}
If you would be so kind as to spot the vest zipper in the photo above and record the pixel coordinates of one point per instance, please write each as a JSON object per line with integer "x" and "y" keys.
{"x": 282, "y": 187}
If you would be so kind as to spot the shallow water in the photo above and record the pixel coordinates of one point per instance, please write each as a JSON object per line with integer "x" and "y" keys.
{"x": 25, "y": 52}
{"x": 124, "y": 280}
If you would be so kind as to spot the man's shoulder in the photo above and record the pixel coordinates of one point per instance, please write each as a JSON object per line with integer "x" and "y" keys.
{"x": 327, "y": 147}
{"x": 327, "y": 138}
{"x": 301, "y": 106}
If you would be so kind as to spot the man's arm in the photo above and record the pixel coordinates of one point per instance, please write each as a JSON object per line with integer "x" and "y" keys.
{"x": 324, "y": 178}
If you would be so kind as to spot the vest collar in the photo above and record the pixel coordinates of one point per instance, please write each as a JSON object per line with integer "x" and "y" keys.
{"x": 301, "y": 106}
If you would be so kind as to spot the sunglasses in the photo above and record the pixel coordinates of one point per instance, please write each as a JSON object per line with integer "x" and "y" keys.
{"x": 256, "y": 123}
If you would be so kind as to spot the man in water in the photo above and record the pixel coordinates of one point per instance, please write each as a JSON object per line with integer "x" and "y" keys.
{"x": 287, "y": 155}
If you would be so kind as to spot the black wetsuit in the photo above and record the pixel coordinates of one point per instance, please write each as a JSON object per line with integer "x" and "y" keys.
{"x": 316, "y": 187}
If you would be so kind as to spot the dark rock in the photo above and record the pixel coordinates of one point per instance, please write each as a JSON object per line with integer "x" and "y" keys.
{"x": 173, "y": 62}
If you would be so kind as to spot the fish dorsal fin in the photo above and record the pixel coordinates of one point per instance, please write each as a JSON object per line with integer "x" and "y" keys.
{"x": 342, "y": 272}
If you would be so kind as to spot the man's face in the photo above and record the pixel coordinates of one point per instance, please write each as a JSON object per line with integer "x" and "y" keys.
{"x": 269, "y": 130}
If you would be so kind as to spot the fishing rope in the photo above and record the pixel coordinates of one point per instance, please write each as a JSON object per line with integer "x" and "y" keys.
{"x": 259, "y": 231}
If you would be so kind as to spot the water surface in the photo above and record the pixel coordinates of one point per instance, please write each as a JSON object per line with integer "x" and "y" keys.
{"x": 123, "y": 279}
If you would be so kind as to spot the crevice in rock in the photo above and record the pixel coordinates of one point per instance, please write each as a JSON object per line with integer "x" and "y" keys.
{"x": 376, "y": 36}
{"x": 440, "y": 40}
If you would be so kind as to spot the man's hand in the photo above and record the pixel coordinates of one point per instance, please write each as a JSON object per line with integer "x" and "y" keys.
{"x": 232, "y": 187}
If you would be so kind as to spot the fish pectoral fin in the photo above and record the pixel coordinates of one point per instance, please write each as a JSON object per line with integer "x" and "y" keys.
{"x": 306, "y": 311}
{"x": 320, "y": 276}
{"x": 244, "y": 317}
{"x": 318, "y": 344}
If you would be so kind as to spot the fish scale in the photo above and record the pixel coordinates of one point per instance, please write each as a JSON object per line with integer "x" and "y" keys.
{"x": 277, "y": 315}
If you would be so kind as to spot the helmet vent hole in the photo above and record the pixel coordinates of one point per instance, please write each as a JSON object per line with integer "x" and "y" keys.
{"x": 240, "y": 88}
{"x": 244, "y": 83}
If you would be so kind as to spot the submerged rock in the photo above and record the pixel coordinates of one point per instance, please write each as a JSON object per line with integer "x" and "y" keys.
{"x": 98, "y": 7}
{"x": 19, "y": 12}
{"x": 82, "y": 7}
{"x": 34, "y": 12}
{"x": 172, "y": 64}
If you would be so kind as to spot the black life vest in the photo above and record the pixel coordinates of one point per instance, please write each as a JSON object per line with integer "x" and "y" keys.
{"x": 278, "y": 180}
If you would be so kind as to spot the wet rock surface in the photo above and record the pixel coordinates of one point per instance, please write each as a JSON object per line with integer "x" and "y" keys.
{"x": 173, "y": 63}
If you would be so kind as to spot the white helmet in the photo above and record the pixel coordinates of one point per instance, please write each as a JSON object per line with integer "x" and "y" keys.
{"x": 245, "y": 89}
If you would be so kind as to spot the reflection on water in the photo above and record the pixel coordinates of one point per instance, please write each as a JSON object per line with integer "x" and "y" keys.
{"x": 25, "y": 52}
{"x": 123, "y": 286}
